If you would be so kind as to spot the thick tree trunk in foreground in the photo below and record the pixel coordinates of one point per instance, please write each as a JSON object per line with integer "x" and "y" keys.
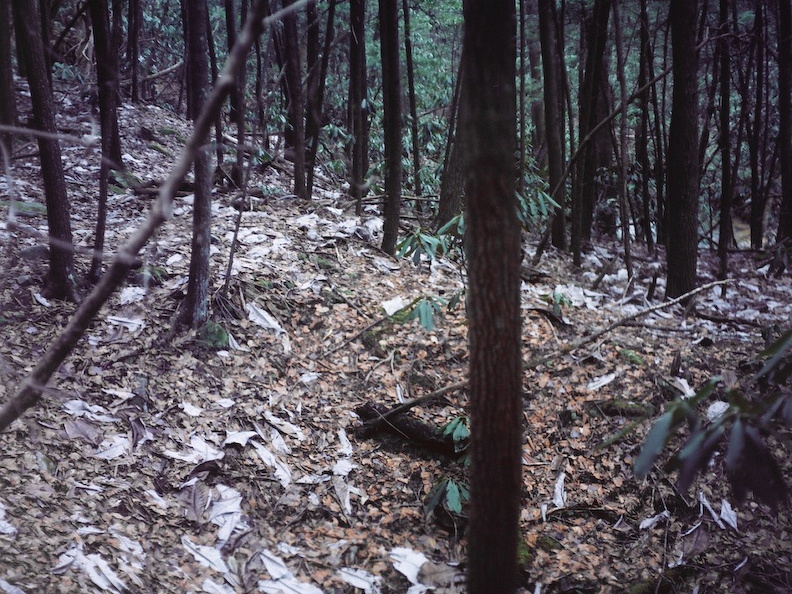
{"x": 490, "y": 126}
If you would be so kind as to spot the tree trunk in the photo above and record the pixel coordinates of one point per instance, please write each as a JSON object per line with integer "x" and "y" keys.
{"x": 452, "y": 182}
{"x": 8, "y": 112}
{"x": 591, "y": 96}
{"x": 553, "y": 103}
{"x": 642, "y": 142}
{"x": 490, "y": 124}
{"x": 195, "y": 309}
{"x": 408, "y": 54}
{"x": 133, "y": 45}
{"x": 61, "y": 282}
{"x": 358, "y": 101}
{"x": 296, "y": 108}
{"x": 237, "y": 98}
{"x": 725, "y": 231}
{"x": 539, "y": 135}
{"x": 785, "y": 113}
{"x": 313, "y": 134}
{"x": 391, "y": 121}
{"x": 758, "y": 201}
{"x": 624, "y": 211}
{"x": 107, "y": 83}
{"x": 313, "y": 109}
{"x": 683, "y": 162}
{"x": 218, "y": 123}
{"x": 521, "y": 117}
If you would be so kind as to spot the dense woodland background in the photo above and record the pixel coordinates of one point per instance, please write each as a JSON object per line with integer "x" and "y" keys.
{"x": 352, "y": 158}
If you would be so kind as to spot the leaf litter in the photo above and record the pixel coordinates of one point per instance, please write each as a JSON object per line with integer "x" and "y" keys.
{"x": 169, "y": 466}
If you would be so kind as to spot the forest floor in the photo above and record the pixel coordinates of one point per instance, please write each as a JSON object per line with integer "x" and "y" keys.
{"x": 156, "y": 463}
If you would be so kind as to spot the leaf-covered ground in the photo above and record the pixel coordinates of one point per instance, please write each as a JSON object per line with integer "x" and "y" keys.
{"x": 158, "y": 463}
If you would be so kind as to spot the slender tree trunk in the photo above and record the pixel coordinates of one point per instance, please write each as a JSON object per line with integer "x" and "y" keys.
{"x": 642, "y": 144}
{"x": 623, "y": 207}
{"x": 683, "y": 162}
{"x": 493, "y": 244}
{"x": 591, "y": 107}
{"x": 237, "y": 98}
{"x": 452, "y": 182}
{"x": 553, "y": 120}
{"x": 133, "y": 45}
{"x": 61, "y": 282}
{"x": 408, "y": 53}
{"x": 785, "y": 113}
{"x": 8, "y": 112}
{"x": 539, "y": 134}
{"x": 313, "y": 110}
{"x": 313, "y": 134}
{"x": 107, "y": 80}
{"x": 660, "y": 150}
{"x": 358, "y": 100}
{"x": 296, "y": 109}
{"x": 725, "y": 231}
{"x": 195, "y": 309}
{"x": 391, "y": 124}
{"x": 757, "y": 199}
{"x": 213, "y": 69}
{"x": 521, "y": 117}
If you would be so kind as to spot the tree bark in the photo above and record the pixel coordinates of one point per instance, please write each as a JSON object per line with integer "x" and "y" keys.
{"x": 452, "y": 180}
{"x": 195, "y": 309}
{"x": 391, "y": 120}
{"x": 591, "y": 107}
{"x": 785, "y": 113}
{"x": 553, "y": 102}
{"x": 758, "y": 200}
{"x": 135, "y": 26}
{"x": 237, "y": 98}
{"x": 725, "y": 223}
{"x": 683, "y": 162}
{"x": 313, "y": 110}
{"x": 358, "y": 101}
{"x": 60, "y": 282}
{"x": 296, "y": 106}
{"x": 8, "y": 112}
{"x": 312, "y": 135}
{"x": 107, "y": 83}
{"x": 642, "y": 142}
{"x": 490, "y": 124}
{"x": 408, "y": 58}
{"x": 624, "y": 210}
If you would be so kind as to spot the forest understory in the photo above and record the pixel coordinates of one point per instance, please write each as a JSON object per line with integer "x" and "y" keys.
{"x": 158, "y": 463}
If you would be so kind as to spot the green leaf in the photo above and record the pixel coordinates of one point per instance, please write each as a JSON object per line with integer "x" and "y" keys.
{"x": 654, "y": 444}
{"x": 736, "y": 445}
{"x": 455, "y": 300}
{"x": 696, "y": 454}
{"x": 436, "y": 496}
{"x": 453, "y": 497}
